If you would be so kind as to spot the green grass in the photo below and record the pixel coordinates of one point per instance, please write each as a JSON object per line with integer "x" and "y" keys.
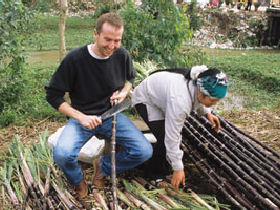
{"x": 79, "y": 31}
{"x": 255, "y": 78}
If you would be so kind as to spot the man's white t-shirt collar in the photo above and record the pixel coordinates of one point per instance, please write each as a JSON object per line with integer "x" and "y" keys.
{"x": 93, "y": 54}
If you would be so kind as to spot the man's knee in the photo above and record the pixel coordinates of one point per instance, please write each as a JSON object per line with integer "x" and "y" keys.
{"x": 145, "y": 151}
{"x": 62, "y": 156}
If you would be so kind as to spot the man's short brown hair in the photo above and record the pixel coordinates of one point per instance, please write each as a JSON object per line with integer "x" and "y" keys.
{"x": 111, "y": 18}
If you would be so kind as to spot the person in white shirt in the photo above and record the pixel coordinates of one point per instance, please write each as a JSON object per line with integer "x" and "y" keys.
{"x": 164, "y": 100}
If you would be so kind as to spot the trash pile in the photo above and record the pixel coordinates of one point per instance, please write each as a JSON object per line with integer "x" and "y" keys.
{"x": 231, "y": 29}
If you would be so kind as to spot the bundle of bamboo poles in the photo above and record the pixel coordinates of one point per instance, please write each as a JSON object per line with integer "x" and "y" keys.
{"x": 30, "y": 180}
{"x": 244, "y": 170}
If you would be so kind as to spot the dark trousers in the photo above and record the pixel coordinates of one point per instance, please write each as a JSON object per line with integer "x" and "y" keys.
{"x": 248, "y": 7}
{"x": 157, "y": 165}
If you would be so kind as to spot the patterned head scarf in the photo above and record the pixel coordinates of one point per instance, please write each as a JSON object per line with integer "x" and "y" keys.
{"x": 210, "y": 82}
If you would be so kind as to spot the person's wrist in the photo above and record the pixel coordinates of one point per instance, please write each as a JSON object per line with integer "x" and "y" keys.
{"x": 125, "y": 92}
{"x": 79, "y": 116}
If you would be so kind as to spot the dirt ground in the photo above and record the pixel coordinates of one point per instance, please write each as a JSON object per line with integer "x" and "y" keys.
{"x": 263, "y": 125}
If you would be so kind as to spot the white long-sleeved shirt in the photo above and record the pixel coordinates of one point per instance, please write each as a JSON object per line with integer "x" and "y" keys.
{"x": 170, "y": 97}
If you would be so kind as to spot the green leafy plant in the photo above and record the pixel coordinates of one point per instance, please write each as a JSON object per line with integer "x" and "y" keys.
{"x": 192, "y": 14}
{"x": 14, "y": 21}
{"x": 40, "y": 5}
{"x": 156, "y": 31}
{"x": 239, "y": 5}
{"x": 104, "y": 7}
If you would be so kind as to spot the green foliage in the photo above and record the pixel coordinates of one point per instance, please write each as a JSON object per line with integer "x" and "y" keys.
{"x": 40, "y": 5}
{"x": 11, "y": 83}
{"x": 146, "y": 37}
{"x": 14, "y": 22}
{"x": 102, "y": 7}
{"x": 192, "y": 14}
{"x": 156, "y": 31}
{"x": 34, "y": 98}
{"x": 260, "y": 28}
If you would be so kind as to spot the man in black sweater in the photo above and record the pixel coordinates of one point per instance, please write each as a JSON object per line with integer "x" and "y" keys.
{"x": 95, "y": 75}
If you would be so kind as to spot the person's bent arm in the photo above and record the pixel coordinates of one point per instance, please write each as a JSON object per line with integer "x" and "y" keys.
{"x": 121, "y": 95}
{"x": 89, "y": 121}
{"x": 173, "y": 126}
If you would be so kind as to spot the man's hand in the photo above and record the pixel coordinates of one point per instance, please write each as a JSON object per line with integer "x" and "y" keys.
{"x": 90, "y": 121}
{"x": 177, "y": 178}
{"x": 214, "y": 121}
{"x": 119, "y": 96}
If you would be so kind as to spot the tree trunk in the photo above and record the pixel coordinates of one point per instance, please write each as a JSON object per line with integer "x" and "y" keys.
{"x": 62, "y": 21}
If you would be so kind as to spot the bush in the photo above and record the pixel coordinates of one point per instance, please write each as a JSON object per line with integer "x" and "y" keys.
{"x": 14, "y": 22}
{"x": 156, "y": 31}
{"x": 102, "y": 8}
{"x": 192, "y": 14}
{"x": 40, "y": 5}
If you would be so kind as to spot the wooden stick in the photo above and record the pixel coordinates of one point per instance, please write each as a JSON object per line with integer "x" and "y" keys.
{"x": 113, "y": 161}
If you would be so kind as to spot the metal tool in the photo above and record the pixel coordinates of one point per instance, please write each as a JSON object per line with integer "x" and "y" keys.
{"x": 119, "y": 107}
{"x": 113, "y": 153}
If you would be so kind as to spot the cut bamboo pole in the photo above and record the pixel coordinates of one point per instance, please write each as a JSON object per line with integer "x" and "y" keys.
{"x": 62, "y": 196}
{"x": 124, "y": 199}
{"x": 168, "y": 200}
{"x": 99, "y": 198}
{"x": 199, "y": 200}
{"x": 113, "y": 161}
{"x": 11, "y": 193}
{"x": 138, "y": 203}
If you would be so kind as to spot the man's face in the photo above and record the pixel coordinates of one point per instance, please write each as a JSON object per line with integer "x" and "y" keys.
{"x": 108, "y": 40}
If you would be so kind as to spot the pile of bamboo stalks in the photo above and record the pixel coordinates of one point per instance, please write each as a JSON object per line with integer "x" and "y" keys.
{"x": 244, "y": 170}
{"x": 30, "y": 180}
